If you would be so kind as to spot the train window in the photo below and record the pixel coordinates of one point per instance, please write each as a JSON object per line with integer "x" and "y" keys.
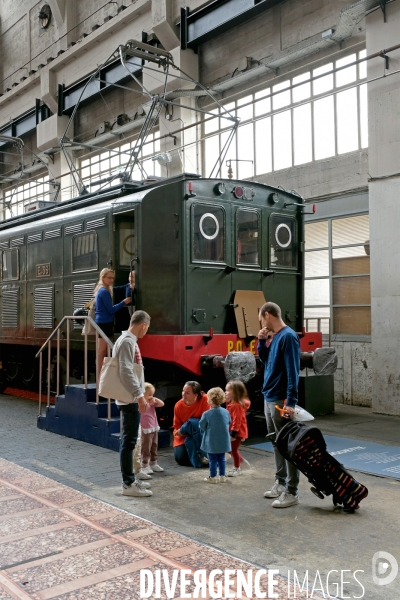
{"x": 10, "y": 264}
{"x": 84, "y": 252}
{"x": 282, "y": 236}
{"x": 247, "y": 228}
{"x": 208, "y": 233}
{"x": 127, "y": 243}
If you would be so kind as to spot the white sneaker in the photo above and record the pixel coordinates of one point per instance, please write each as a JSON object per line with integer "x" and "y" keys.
{"x": 144, "y": 484}
{"x": 211, "y": 479}
{"x": 156, "y": 468}
{"x": 285, "y": 500}
{"x": 136, "y": 489}
{"x": 234, "y": 472}
{"x": 222, "y": 479}
{"x": 142, "y": 475}
{"x": 276, "y": 490}
{"x": 148, "y": 470}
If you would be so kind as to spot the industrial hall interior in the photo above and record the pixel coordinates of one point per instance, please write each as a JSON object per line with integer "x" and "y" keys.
{"x": 187, "y": 189}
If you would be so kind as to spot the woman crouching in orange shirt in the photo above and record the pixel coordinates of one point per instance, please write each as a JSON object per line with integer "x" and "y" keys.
{"x": 187, "y": 434}
{"x": 237, "y": 404}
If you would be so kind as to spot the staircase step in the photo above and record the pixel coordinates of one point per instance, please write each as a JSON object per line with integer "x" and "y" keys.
{"x": 79, "y": 391}
{"x": 102, "y": 407}
{"x": 113, "y": 425}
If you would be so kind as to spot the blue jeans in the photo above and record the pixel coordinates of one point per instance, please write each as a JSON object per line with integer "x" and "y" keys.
{"x": 130, "y": 420}
{"x": 217, "y": 460}
{"x": 192, "y": 445}
{"x": 286, "y": 473}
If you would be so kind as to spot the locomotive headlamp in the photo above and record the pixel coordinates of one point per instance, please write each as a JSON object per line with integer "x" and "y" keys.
{"x": 248, "y": 193}
{"x": 220, "y": 188}
{"x": 273, "y": 198}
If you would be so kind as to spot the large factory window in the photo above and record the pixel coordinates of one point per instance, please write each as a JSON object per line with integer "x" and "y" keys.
{"x": 312, "y": 116}
{"x": 208, "y": 233}
{"x": 247, "y": 223}
{"x": 282, "y": 235}
{"x": 112, "y": 163}
{"x": 84, "y": 252}
{"x": 17, "y": 197}
{"x": 337, "y": 267}
{"x": 10, "y": 265}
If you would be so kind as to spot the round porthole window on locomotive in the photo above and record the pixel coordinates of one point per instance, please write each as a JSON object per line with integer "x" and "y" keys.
{"x": 283, "y": 235}
{"x": 209, "y": 226}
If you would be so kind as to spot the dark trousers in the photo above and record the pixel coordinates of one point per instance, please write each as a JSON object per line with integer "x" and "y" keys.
{"x": 130, "y": 420}
{"x": 181, "y": 456}
{"x": 187, "y": 454}
{"x": 286, "y": 473}
{"x": 217, "y": 460}
{"x": 193, "y": 441}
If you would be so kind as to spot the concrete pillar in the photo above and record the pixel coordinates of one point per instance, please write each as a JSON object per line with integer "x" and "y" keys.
{"x": 163, "y": 23}
{"x": 177, "y": 116}
{"x": 48, "y": 134}
{"x": 384, "y": 193}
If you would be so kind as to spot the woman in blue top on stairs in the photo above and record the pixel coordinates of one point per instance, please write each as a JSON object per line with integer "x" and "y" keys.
{"x": 105, "y": 310}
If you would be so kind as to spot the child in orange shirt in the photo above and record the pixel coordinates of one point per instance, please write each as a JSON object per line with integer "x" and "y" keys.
{"x": 237, "y": 404}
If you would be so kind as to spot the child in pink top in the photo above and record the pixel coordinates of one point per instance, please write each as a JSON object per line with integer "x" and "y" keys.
{"x": 150, "y": 427}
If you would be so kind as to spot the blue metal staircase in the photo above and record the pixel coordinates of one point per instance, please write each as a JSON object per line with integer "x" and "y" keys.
{"x": 76, "y": 415}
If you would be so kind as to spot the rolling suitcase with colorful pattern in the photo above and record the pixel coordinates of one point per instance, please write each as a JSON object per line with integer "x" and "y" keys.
{"x": 305, "y": 447}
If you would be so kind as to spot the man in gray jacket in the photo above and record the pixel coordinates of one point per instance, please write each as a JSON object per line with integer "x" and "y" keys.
{"x": 131, "y": 373}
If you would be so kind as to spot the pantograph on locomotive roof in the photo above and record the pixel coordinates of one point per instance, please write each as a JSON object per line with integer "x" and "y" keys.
{"x": 152, "y": 108}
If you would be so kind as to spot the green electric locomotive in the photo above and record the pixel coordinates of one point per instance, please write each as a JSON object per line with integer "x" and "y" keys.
{"x": 207, "y": 254}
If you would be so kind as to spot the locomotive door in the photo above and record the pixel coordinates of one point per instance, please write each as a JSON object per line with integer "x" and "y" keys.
{"x": 13, "y": 292}
{"x": 247, "y": 279}
{"x": 285, "y": 287}
{"x": 126, "y": 260}
{"x": 208, "y": 287}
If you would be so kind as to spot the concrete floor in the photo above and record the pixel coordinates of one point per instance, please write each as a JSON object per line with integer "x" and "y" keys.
{"x": 235, "y": 518}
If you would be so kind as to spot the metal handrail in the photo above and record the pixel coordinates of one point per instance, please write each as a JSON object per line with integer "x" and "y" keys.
{"x": 319, "y": 319}
{"x": 47, "y": 344}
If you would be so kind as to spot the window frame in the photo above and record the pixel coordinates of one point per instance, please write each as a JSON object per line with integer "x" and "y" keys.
{"x": 258, "y": 265}
{"x": 96, "y": 165}
{"x": 340, "y": 337}
{"x": 295, "y": 242}
{"x": 17, "y": 278}
{"x": 72, "y": 252}
{"x": 192, "y": 233}
{"x": 216, "y": 134}
{"x": 25, "y": 193}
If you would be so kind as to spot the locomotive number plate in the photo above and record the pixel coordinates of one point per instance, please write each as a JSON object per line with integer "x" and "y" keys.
{"x": 43, "y": 270}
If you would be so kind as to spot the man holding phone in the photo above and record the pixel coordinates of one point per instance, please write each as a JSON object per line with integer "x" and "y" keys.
{"x": 279, "y": 350}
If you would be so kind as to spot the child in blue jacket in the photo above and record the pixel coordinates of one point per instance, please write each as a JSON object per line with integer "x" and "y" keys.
{"x": 216, "y": 441}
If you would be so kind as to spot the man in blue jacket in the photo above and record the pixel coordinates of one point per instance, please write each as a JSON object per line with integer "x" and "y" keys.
{"x": 279, "y": 350}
